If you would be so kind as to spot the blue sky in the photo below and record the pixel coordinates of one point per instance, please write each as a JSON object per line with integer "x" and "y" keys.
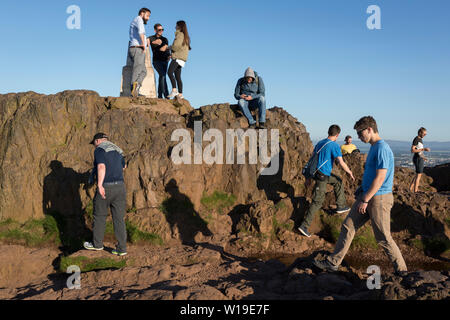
{"x": 318, "y": 59}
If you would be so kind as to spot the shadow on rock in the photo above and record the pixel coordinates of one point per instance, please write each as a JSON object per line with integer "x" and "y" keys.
{"x": 180, "y": 213}
{"x": 62, "y": 201}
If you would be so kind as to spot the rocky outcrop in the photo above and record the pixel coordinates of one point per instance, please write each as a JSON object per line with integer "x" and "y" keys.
{"x": 45, "y": 161}
{"x": 440, "y": 175}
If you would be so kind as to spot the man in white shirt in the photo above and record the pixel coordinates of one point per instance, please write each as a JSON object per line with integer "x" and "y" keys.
{"x": 136, "y": 50}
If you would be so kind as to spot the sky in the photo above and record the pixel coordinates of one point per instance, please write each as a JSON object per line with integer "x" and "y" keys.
{"x": 318, "y": 59}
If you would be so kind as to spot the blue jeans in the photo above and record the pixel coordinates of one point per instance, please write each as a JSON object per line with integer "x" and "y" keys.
{"x": 161, "y": 68}
{"x": 259, "y": 103}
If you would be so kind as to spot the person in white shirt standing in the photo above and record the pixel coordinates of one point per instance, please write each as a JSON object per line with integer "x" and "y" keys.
{"x": 136, "y": 50}
{"x": 418, "y": 159}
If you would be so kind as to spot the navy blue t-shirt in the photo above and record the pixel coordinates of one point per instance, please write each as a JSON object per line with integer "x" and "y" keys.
{"x": 114, "y": 163}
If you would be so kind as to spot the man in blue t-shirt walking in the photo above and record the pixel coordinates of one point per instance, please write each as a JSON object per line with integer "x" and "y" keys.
{"x": 108, "y": 168}
{"x": 329, "y": 151}
{"x": 374, "y": 201}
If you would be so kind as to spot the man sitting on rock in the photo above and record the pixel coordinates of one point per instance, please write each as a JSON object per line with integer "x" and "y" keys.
{"x": 328, "y": 151}
{"x": 250, "y": 92}
{"x": 348, "y": 147}
{"x": 108, "y": 167}
{"x": 374, "y": 201}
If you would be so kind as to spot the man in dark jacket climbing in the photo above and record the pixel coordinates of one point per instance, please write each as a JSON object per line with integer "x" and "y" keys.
{"x": 250, "y": 93}
{"x": 108, "y": 168}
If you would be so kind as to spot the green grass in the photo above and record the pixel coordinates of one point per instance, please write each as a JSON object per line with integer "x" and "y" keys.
{"x": 137, "y": 236}
{"x": 88, "y": 264}
{"x": 32, "y": 233}
{"x": 364, "y": 237}
{"x": 218, "y": 201}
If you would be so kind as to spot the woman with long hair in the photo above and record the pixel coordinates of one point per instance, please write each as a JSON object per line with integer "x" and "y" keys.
{"x": 180, "y": 50}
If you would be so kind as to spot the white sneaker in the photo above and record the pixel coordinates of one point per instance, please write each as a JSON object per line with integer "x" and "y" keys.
{"x": 180, "y": 96}
{"x": 173, "y": 94}
{"x": 89, "y": 246}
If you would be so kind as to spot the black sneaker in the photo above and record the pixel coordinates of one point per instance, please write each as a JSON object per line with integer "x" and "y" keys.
{"x": 342, "y": 210}
{"x": 304, "y": 231}
{"x": 261, "y": 125}
{"x": 325, "y": 265}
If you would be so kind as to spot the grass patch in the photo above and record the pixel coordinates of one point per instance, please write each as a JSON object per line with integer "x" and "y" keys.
{"x": 32, "y": 233}
{"x": 218, "y": 201}
{"x": 86, "y": 264}
{"x": 137, "y": 236}
{"x": 364, "y": 237}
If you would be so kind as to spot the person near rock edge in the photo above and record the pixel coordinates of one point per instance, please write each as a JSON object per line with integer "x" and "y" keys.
{"x": 109, "y": 165}
{"x": 418, "y": 159}
{"x": 348, "y": 147}
{"x": 180, "y": 52}
{"x": 328, "y": 154}
{"x": 251, "y": 93}
{"x": 374, "y": 201}
{"x": 136, "y": 50}
{"x": 161, "y": 57}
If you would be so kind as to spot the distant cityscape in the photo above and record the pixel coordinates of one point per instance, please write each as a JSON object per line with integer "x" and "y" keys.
{"x": 435, "y": 158}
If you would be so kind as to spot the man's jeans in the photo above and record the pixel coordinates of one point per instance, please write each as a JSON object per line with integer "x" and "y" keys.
{"x": 379, "y": 213}
{"x": 136, "y": 60}
{"x": 319, "y": 197}
{"x": 116, "y": 200}
{"x": 161, "y": 68}
{"x": 259, "y": 103}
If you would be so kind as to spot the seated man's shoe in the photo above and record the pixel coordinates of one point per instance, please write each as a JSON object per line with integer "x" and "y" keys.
{"x": 252, "y": 126}
{"x": 89, "y": 246}
{"x": 325, "y": 265}
{"x": 262, "y": 125}
{"x": 304, "y": 231}
{"x": 342, "y": 210}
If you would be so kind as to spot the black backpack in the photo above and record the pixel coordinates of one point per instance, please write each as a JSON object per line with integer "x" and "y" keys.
{"x": 310, "y": 169}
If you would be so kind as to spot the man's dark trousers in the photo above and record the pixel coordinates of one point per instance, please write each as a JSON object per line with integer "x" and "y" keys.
{"x": 319, "y": 197}
{"x": 116, "y": 200}
{"x": 161, "y": 68}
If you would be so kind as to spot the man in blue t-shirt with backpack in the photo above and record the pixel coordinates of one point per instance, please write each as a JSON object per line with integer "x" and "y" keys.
{"x": 328, "y": 151}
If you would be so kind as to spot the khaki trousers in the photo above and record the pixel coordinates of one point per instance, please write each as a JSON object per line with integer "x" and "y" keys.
{"x": 379, "y": 213}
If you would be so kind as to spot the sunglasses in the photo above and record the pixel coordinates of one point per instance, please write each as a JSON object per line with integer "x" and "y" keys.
{"x": 160, "y": 30}
{"x": 360, "y": 131}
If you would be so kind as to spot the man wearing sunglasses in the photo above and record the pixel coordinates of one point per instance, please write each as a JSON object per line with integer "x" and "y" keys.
{"x": 161, "y": 56}
{"x": 374, "y": 201}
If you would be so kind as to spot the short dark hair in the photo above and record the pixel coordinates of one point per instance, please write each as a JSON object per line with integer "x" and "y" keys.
{"x": 334, "y": 130}
{"x": 347, "y": 137}
{"x": 157, "y": 25}
{"x": 143, "y": 10}
{"x": 366, "y": 122}
{"x": 421, "y": 130}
